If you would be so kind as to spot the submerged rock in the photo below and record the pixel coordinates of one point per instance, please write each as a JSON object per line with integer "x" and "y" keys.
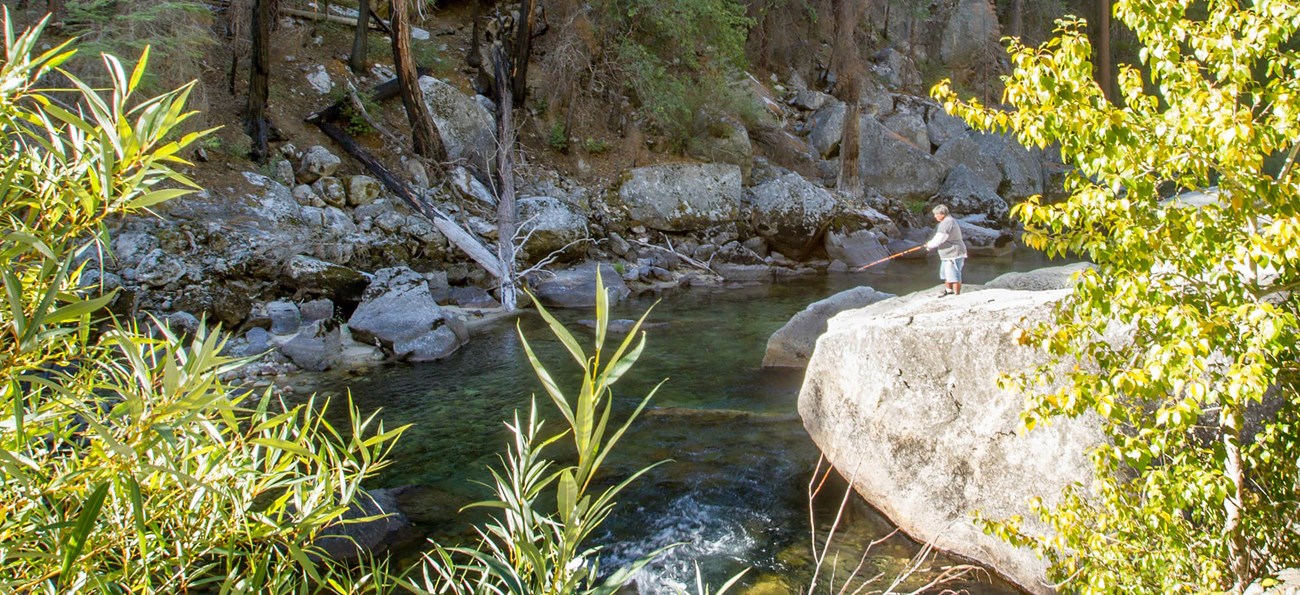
{"x": 902, "y": 397}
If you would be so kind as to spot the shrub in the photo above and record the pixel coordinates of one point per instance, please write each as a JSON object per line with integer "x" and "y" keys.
{"x": 126, "y": 464}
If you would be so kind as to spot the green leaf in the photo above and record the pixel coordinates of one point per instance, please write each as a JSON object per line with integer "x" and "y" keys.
{"x": 75, "y": 540}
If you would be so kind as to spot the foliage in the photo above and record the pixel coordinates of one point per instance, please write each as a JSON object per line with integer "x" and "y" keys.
{"x": 126, "y": 464}
{"x": 594, "y": 146}
{"x": 557, "y": 138}
{"x": 678, "y": 56}
{"x": 546, "y": 512}
{"x": 1188, "y": 327}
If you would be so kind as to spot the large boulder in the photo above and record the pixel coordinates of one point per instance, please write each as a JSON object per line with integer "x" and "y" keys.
{"x": 856, "y": 248}
{"x": 791, "y": 213}
{"x": 723, "y": 140}
{"x": 902, "y": 397}
{"x": 313, "y": 277}
{"x": 963, "y": 150}
{"x": 966, "y": 194}
{"x": 350, "y": 537}
{"x": 399, "y": 313}
{"x": 896, "y": 167}
{"x": 985, "y": 241}
{"x": 467, "y": 128}
{"x": 318, "y": 346}
{"x": 576, "y": 287}
{"x": 683, "y": 197}
{"x": 550, "y": 224}
{"x": 826, "y": 127}
{"x": 1022, "y": 170}
{"x": 971, "y": 31}
{"x": 791, "y": 345}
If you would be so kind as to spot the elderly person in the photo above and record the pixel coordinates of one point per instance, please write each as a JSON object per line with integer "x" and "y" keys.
{"x": 952, "y": 250}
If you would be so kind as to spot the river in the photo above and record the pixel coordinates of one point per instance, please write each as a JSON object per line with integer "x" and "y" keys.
{"x": 735, "y": 493}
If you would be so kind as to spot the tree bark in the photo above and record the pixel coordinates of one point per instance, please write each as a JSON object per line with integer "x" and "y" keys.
{"x": 424, "y": 136}
{"x": 360, "y": 38}
{"x": 845, "y": 60}
{"x": 523, "y": 47}
{"x": 259, "y": 73}
{"x": 850, "y": 178}
{"x": 1017, "y": 18}
{"x": 507, "y": 217}
{"x": 1233, "y": 532}
{"x": 1105, "y": 76}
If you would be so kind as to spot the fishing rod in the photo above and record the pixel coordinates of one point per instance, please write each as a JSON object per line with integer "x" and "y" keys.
{"x": 890, "y": 257}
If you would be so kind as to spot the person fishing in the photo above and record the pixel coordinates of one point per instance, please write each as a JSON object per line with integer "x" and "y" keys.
{"x": 952, "y": 250}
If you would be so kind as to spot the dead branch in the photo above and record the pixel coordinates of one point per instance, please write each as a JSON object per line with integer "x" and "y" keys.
{"x": 455, "y": 234}
{"x": 376, "y": 25}
{"x": 360, "y": 107}
{"x": 685, "y": 258}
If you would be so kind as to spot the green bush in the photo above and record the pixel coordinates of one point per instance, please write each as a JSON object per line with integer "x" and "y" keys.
{"x": 126, "y": 464}
{"x": 557, "y": 139}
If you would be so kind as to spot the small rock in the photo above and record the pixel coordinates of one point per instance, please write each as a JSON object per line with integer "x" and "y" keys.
{"x": 285, "y": 318}
{"x": 331, "y": 190}
{"x": 318, "y": 162}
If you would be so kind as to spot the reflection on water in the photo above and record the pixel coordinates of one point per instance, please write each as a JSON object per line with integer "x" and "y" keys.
{"x": 735, "y": 493}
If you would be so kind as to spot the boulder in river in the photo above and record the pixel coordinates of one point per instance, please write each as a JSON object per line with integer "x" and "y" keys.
{"x": 791, "y": 345}
{"x": 399, "y": 312}
{"x": 902, "y": 398}
{"x": 576, "y": 287}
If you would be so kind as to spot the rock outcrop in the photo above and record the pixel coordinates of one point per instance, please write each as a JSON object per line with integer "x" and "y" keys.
{"x": 682, "y": 197}
{"x": 901, "y": 396}
{"x": 791, "y": 213}
{"x": 791, "y": 345}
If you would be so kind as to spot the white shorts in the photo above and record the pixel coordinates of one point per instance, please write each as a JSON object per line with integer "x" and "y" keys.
{"x": 950, "y": 270}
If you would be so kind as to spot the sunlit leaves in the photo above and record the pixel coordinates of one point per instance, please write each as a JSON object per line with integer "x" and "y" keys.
{"x": 1187, "y": 330}
{"x": 126, "y": 464}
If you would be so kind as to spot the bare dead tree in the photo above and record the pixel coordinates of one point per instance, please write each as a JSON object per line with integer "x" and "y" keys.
{"x": 507, "y": 214}
{"x": 424, "y": 136}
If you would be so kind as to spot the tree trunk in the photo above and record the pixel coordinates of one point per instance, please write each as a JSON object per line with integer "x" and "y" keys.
{"x": 523, "y": 46}
{"x": 850, "y": 178}
{"x": 1017, "y": 18}
{"x": 1104, "y": 75}
{"x": 845, "y": 60}
{"x": 507, "y": 224}
{"x": 1233, "y": 532}
{"x": 259, "y": 73}
{"x": 360, "y": 38}
{"x": 423, "y": 133}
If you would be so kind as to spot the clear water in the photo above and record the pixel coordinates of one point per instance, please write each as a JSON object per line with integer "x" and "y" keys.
{"x": 735, "y": 493}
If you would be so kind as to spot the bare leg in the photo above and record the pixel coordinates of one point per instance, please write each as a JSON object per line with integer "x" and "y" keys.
{"x": 956, "y": 287}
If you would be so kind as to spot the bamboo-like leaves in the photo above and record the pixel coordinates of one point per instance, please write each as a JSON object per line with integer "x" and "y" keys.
{"x": 126, "y": 463}
{"x": 524, "y": 550}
